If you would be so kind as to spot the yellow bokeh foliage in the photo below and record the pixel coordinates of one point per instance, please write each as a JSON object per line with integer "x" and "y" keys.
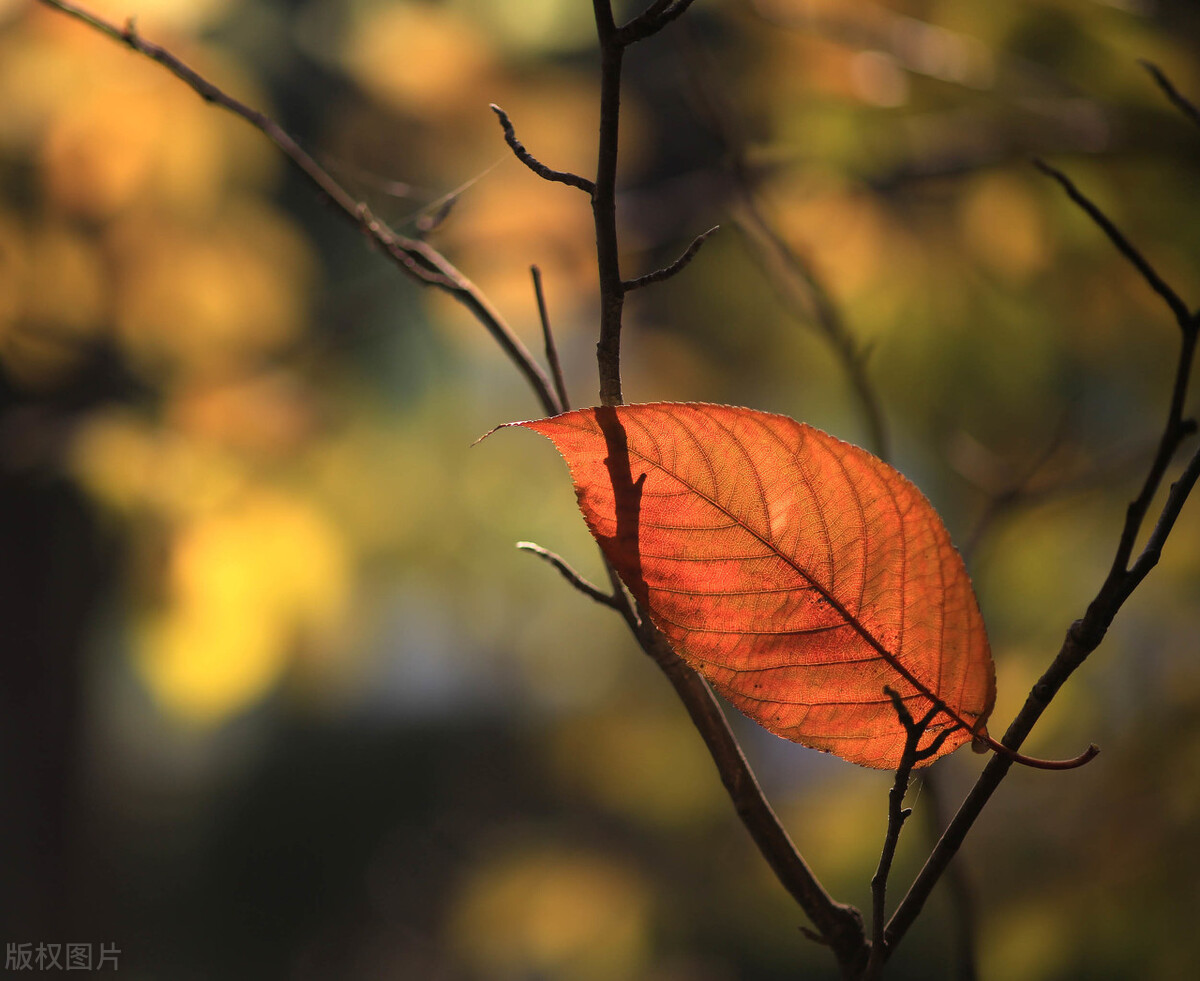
{"x": 202, "y": 299}
{"x": 416, "y": 57}
{"x": 552, "y": 911}
{"x": 242, "y": 575}
{"x": 245, "y": 586}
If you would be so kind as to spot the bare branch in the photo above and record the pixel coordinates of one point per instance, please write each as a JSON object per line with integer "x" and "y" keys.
{"x": 840, "y": 926}
{"x": 1180, "y": 102}
{"x": 604, "y": 207}
{"x": 788, "y": 272}
{"x": 1174, "y": 432}
{"x": 1156, "y": 282}
{"x": 897, "y": 815}
{"x": 530, "y": 161}
{"x": 655, "y": 17}
{"x": 560, "y": 386}
{"x": 570, "y": 575}
{"x": 1086, "y": 633}
{"x": 416, "y": 258}
{"x": 668, "y": 271}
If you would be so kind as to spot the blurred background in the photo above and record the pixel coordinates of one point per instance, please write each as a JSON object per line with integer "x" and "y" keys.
{"x": 278, "y": 697}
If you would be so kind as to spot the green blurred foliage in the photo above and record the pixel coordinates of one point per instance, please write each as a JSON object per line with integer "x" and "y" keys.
{"x": 304, "y": 712}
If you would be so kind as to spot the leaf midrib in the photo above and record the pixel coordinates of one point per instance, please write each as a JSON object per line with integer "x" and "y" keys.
{"x": 892, "y": 661}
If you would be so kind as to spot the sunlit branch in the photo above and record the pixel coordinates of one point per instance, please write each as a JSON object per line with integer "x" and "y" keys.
{"x": 570, "y": 575}
{"x": 840, "y": 926}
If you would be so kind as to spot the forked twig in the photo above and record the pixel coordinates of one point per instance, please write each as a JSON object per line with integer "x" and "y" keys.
{"x": 897, "y": 815}
{"x": 1086, "y": 633}
{"x": 571, "y": 576}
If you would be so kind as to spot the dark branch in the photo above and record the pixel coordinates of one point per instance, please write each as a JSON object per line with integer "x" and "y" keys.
{"x": 1156, "y": 282}
{"x": 657, "y": 16}
{"x": 570, "y": 575}
{"x": 604, "y": 206}
{"x": 668, "y": 271}
{"x": 840, "y": 926}
{"x": 1085, "y": 634}
{"x": 416, "y": 258}
{"x": 897, "y": 815}
{"x": 1174, "y": 432}
{"x": 787, "y": 271}
{"x": 1178, "y": 100}
{"x": 530, "y": 161}
{"x": 560, "y": 386}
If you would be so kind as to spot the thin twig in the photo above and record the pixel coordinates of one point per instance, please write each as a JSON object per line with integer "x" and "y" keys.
{"x": 556, "y": 372}
{"x": 416, "y": 258}
{"x": 1117, "y": 237}
{"x": 897, "y": 815}
{"x": 532, "y": 162}
{"x": 1174, "y": 432}
{"x": 1178, "y": 100}
{"x": 788, "y": 272}
{"x": 961, "y": 895}
{"x": 570, "y": 575}
{"x": 668, "y": 271}
{"x": 840, "y": 926}
{"x": 1086, "y": 633}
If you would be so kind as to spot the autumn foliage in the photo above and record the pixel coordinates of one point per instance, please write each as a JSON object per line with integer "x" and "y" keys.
{"x": 799, "y": 574}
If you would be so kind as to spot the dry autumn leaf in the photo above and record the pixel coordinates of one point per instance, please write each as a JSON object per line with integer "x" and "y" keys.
{"x": 799, "y": 574}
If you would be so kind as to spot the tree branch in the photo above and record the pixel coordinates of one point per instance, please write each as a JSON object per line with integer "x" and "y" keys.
{"x": 1156, "y": 282}
{"x": 1184, "y": 105}
{"x": 792, "y": 277}
{"x": 839, "y": 925}
{"x": 657, "y": 16}
{"x": 570, "y": 575}
{"x": 1086, "y": 633}
{"x": 532, "y": 162}
{"x": 560, "y": 385}
{"x": 604, "y": 207}
{"x": 416, "y": 258}
{"x": 677, "y": 266}
{"x": 897, "y": 815}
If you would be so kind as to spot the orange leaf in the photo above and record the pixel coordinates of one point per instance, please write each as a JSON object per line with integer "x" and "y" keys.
{"x": 799, "y": 574}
